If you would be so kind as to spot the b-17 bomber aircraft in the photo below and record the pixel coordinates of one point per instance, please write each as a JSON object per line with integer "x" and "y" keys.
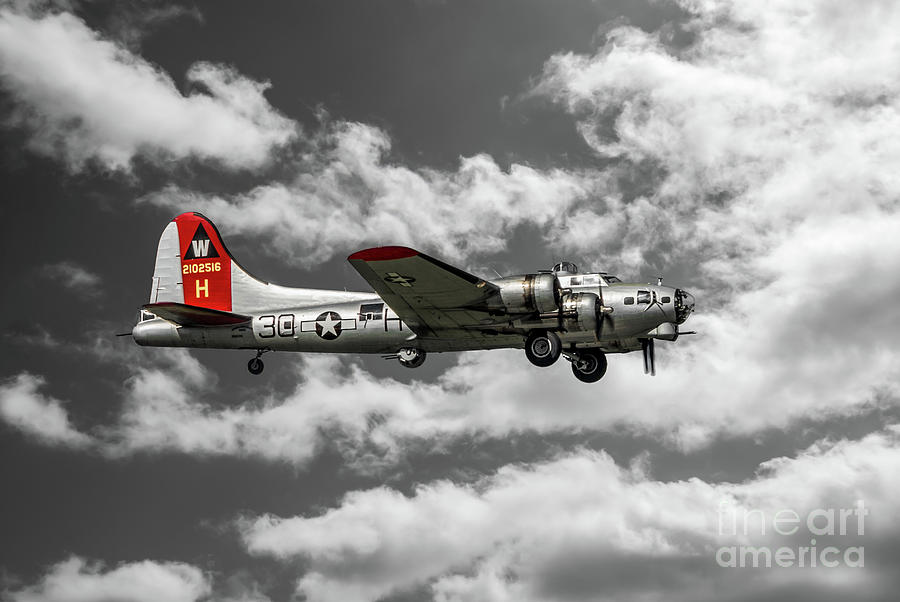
{"x": 201, "y": 297}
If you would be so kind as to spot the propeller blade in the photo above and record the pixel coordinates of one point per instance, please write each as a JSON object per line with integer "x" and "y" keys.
{"x": 644, "y": 350}
{"x": 123, "y": 334}
{"x": 648, "y": 349}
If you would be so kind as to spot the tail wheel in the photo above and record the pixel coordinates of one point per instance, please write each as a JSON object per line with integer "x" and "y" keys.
{"x": 589, "y": 365}
{"x": 255, "y": 366}
{"x": 542, "y": 348}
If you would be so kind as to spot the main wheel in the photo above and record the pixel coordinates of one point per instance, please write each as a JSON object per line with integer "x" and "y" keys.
{"x": 255, "y": 366}
{"x": 589, "y": 366}
{"x": 542, "y": 348}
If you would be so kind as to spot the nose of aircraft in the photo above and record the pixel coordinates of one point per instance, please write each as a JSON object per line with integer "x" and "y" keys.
{"x": 684, "y": 304}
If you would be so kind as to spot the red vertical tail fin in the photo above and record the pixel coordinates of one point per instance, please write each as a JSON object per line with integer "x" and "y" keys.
{"x": 192, "y": 265}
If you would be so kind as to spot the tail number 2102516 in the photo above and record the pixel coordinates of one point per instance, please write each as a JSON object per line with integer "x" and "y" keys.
{"x": 196, "y": 268}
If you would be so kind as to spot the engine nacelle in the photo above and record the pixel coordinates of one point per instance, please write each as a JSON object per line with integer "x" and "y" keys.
{"x": 580, "y": 313}
{"x": 532, "y": 293}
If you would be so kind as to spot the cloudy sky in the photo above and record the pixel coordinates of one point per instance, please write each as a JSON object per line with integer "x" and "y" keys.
{"x": 747, "y": 151}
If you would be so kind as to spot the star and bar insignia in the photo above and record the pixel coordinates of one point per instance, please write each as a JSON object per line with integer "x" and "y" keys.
{"x": 395, "y": 278}
{"x": 328, "y": 325}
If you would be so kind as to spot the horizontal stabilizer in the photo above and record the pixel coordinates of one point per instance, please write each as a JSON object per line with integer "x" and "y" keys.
{"x": 190, "y": 315}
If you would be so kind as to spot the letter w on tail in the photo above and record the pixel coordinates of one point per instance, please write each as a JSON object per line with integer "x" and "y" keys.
{"x": 201, "y": 247}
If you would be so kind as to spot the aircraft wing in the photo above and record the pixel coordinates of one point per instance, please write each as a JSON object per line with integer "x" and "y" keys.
{"x": 433, "y": 298}
{"x": 191, "y": 315}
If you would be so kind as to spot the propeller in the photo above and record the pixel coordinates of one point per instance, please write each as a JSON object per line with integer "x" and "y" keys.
{"x": 648, "y": 348}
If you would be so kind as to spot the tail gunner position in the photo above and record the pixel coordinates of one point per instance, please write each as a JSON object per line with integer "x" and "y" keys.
{"x": 201, "y": 297}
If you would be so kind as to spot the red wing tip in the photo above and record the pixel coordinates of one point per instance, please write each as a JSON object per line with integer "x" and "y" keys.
{"x": 383, "y": 253}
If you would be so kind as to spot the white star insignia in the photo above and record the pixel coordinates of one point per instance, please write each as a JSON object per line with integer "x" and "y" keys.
{"x": 329, "y": 325}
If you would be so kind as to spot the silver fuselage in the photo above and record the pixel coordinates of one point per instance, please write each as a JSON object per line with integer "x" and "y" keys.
{"x": 365, "y": 324}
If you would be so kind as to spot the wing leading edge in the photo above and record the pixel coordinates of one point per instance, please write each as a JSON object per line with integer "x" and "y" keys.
{"x": 434, "y": 298}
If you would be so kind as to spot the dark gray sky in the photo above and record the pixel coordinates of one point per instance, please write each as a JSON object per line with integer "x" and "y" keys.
{"x": 640, "y": 137}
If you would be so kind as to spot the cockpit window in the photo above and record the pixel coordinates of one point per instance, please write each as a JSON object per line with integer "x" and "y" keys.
{"x": 566, "y": 267}
{"x": 643, "y": 296}
{"x": 146, "y": 315}
{"x": 629, "y": 300}
{"x": 612, "y": 279}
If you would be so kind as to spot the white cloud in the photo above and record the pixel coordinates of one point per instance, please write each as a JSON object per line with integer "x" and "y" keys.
{"x": 581, "y": 527}
{"x": 85, "y": 98}
{"x": 574, "y": 525}
{"x": 348, "y": 194}
{"x": 75, "y": 580}
{"x": 131, "y": 24}
{"x": 26, "y": 409}
{"x": 759, "y": 125}
{"x": 74, "y": 277}
{"x": 167, "y": 404}
{"x": 744, "y": 139}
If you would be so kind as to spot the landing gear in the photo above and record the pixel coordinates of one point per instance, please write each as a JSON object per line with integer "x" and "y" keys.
{"x": 256, "y": 366}
{"x": 542, "y": 348}
{"x": 410, "y": 357}
{"x": 589, "y": 365}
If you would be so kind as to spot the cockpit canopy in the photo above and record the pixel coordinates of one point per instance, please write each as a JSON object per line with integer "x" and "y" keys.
{"x": 565, "y": 267}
